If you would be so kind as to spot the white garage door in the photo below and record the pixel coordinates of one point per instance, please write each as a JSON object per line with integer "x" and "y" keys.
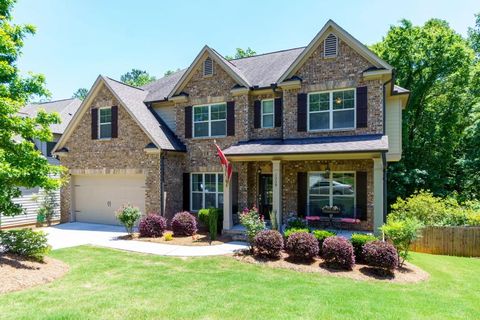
{"x": 97, "y": 197}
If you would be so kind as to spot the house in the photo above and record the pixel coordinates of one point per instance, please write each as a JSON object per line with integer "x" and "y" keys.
{"x": 304, "y": 128}
{"x": 31, "y": 199}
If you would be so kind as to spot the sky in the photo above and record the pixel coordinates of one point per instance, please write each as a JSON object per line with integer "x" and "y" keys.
{"x": 77, "y": 40}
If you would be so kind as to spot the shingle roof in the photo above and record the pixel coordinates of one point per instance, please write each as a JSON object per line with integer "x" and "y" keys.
{"x": 160, "y": 89}
{"x": 66, "y": 109}
{"x": 133, "y": 98}
{"x": 337, "y": 144}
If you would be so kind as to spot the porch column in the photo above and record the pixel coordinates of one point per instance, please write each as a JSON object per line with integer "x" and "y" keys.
{"x": 277, "y": 191}
{"x": 377, "y": 194}
{"x": 227, "y": 205}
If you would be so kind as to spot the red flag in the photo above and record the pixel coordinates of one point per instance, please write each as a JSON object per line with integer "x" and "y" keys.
{"x": 229, "y": 172}
{"x": 227, "y": 167}
{"x": 223, "y": 159}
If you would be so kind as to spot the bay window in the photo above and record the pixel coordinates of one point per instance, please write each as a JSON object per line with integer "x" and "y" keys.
{"x": 331, "y": 110}
{"x": 331, "y": 189}
{"x": 210, "y": 120}
{"x": 206, "y": 190}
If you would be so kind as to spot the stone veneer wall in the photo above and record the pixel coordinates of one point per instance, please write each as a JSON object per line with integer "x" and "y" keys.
{"x": 289, "y": 183}
{"x": 343, "y": 71}
{"x": 114, "y": 156}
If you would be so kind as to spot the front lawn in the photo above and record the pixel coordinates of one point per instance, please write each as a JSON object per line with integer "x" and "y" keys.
{"x": 109, "y": 284}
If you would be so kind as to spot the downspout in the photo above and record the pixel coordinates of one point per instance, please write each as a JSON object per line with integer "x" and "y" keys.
{"x": 162, "y": 183}
{"x": 385, "y": 164}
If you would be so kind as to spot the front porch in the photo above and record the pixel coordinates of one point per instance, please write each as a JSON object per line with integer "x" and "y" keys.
{"x": 305, "y": 188}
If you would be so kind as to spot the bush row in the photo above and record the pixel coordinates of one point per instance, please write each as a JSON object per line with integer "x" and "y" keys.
{"x": 154, "y": 225}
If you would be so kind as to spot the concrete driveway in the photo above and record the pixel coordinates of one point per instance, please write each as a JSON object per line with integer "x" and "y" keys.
{"x": 78, "y": 233}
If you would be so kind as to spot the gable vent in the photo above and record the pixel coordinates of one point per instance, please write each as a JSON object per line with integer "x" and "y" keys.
{"x": 330, "y": 46}
{"x": 208, "y": 67}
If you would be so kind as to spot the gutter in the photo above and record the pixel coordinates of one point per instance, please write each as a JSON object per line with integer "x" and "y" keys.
{"x": 385, "y": 202}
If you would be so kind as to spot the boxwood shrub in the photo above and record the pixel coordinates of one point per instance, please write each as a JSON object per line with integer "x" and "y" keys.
{"x": 25, "y": 242}
{"x": 338, "y": 252}
{"x": 380, "y": 254}
{"x": 291, "y": 231}
{"x": 302, "y": 246}
{"x": 321, "y": 235}
{"x": 184, "y": 224}
{"x": 268, "y": 243}
{"x": 152, "y": 226}
{"x": 358, "y": 240}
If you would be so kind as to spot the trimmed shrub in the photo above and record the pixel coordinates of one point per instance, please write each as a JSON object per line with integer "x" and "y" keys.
{"x": 152, "y": 226}
{"x": 184, "y": 224}
{"x": 168, "y": 236}
{"x": 213, "y": 223}
{"x": 338, "y": 252}
{"x": 268, "y": 243}
{"x": 302, "y": 246}
{"x": 297, "y": 223}
{"x": 358, "y": 240}
{"x": 402, "y": 233}
{"x": 381, "y": 255}
{"x": 25, "y": 242}
{"x": 203, "y": 216}
{"x": 321, "y": 235}
{"x": 291, "y": 231}
{"x": 128, "y": 216}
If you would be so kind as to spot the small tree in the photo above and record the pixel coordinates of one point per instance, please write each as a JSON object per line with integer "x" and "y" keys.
{"x": 48, "y": 207}
{"x": 402, "y": 233}
{"x": 252, "y": 221}
{"x": 128, "y": 216}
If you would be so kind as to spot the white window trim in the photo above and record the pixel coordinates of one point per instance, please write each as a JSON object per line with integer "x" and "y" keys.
{"x": 267, "y": 114}
{"x": 331, "y": 111}
{"x": 217, "y": 175}
{"x": 100, "y": 123}
{"x": 209, "y": 121}
{"x": 330, "y": 191}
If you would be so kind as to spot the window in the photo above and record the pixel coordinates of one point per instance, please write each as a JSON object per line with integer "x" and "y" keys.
{"x": 210, "y": 121}
{"x": 208, "y": 67}
{"x": 50, "y": 146}
{"x": 330, "y": 46}
{"x": 331, "y": 110}
{"x": 207, "y": 190}
{"x": 268, "y": 114}
{"x": 334, "y": 189}
{"x": 105, "y": 123}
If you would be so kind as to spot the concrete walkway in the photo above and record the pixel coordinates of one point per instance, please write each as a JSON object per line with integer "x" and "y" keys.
{"x": 77, "y": 233}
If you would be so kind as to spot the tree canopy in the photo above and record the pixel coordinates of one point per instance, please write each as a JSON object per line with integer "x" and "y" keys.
{"x": 21, "y": 164}
{"x": 439, "y": 67}
{"x": 242, "y": 53}
{"x": 81, "y": 93}
{"x": 137, "y": 78}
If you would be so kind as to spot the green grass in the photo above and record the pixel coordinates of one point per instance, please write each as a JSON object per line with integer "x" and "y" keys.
{"x": 108, "y": 284}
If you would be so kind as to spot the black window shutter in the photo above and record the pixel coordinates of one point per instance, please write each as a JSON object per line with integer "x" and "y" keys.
{"x": 361, "y": 195}
{"x": 278, "y": 112}
{"x": 188, "y": 122}
{"x": 230, "y": 118}
{"x": 186, "y": 191}
{"x": 94, "y": 123}
{"x": 302, "y": 112}
{"x": 362, "y": 107}
{"x": 257, "y": 113}
{"x": 114, "y": 122}
{"x": 302, "y": 194}
{"x": 234, "y": 182}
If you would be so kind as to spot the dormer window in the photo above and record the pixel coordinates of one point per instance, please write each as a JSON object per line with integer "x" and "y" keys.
{"x": 208, "y": 67}
{"x": 330, "y": 46}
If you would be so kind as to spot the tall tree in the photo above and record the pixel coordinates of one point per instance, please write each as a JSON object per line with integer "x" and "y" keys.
{"x": 170, "y": 72}
{"x": 241, "y": 53}
{"x": 21, "y": 165}
{"x": 81, "y": 93}
{"x": 435, "y": 63}
{"x": 137, "y": 78}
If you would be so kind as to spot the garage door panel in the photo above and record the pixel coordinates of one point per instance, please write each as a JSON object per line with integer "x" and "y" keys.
{"x": 97, "y": 197}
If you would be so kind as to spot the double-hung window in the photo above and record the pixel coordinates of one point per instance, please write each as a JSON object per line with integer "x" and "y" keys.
{"x": 206, "y": 190}
{"x": 268, "y": 113}
{"x": 210, "y": 120}
{"x": 331, "y": 110}
{"x": 331, "y": 189}
{"x": 105, "y": 123}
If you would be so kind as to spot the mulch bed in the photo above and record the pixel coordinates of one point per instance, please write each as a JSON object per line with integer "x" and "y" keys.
{"x": 199, "y": 239}
{"x": 17, "y": 273}
{"x": 409, "y": 273}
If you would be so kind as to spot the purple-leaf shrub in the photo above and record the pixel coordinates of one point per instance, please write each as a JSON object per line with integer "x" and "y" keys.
{"x": 338, "y": 252}
{"x": 152, "y": 226}
{"x": 302, "y": 246}
{"x": 268, "y": 243}
{"x": 381, "y": 255}
{"x": 184, "y": 224}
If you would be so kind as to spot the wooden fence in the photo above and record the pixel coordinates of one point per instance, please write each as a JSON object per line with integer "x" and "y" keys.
{"x": 453, "y": 241}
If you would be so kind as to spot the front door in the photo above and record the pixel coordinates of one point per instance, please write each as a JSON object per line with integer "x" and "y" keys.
{"x": 266, "y": 195}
